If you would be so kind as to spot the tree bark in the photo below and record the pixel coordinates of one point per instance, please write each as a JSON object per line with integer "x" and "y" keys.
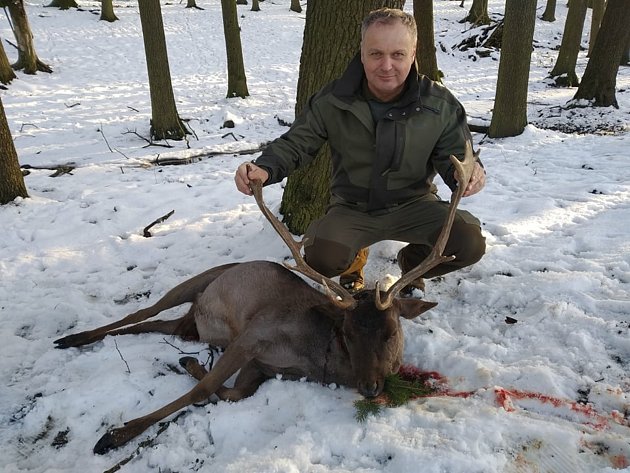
{"x": 11, "y": 179}
{"x": 255, "y": 5}
{"x": 6, "y": 71}
{"x": 425, "y": 52}
{"x": 509, "y": 117}
{"x": 107, "y": 11}
{"x": 478, "y": 13}
{"x": 332, "y": 36}
{"x": 237, "y": 81}
{"x": 625, "y": 56}
{"x": 550, "y": 11}
{"x": 165, "y": 122}
{"x": 600, "y": 77}
{"x": 27, "y": 57}
{"x": 564, "y": 70}
{"x": 598, "y": 7}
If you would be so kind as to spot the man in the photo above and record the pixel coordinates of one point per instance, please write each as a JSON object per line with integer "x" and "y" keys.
{"x": 390, "y": 131}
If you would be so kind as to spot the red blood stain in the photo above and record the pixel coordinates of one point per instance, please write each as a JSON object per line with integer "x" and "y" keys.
{"x": 504, "y": 397}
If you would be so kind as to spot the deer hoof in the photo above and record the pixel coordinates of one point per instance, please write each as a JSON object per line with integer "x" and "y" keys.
{"x": 193, "y": 367}
{"x": 67, "y": 342}
{"x": 106, "y": 443}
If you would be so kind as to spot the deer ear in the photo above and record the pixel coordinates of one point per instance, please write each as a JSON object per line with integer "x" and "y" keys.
{"x": 330, "y": 310}
{"x": 412, "y": 308}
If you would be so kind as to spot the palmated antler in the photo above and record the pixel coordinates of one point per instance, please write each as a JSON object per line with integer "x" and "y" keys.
{"x": 464, "y": 172}
{"x": 340, "y": 296}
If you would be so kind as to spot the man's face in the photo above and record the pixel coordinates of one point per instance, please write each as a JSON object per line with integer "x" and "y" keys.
{"x": 387, "y": 53}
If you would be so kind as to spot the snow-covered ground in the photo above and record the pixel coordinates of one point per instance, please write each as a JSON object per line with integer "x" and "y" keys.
{"x": 538, "y": 330}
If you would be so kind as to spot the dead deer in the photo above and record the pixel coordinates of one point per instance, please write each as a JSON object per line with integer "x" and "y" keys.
{"x": 271, "y": 322}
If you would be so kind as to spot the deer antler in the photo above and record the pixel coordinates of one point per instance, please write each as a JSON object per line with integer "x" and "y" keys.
{"x": 464, "y": 172}
{"x": 346, "y": 301}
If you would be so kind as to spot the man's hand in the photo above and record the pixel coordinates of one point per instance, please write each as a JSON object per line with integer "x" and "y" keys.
{"x": 477, "y": 180}
{"x": 247, "y": 172}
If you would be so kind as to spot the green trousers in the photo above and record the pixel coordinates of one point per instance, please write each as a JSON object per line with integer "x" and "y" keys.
{"x": 333, "y": 241}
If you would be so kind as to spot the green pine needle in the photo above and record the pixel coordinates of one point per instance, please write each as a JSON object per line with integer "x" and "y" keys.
{"x": 396, "y": 392}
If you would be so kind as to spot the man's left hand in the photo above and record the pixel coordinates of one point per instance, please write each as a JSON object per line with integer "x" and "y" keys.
{"x": 477, "y": 180}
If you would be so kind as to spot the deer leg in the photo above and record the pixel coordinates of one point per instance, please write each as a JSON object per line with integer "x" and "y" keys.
{"x": 180, "y": 294}
{"x": 234, "y": 357}
{"x": 247, "y": 382}
{"x": 177, "y": 327}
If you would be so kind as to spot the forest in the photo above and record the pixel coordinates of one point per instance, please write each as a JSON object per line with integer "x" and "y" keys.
{"x": 121, "y": 126}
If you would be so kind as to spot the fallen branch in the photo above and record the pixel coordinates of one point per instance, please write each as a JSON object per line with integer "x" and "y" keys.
{"x": 146, "y": 233}
{"x": 198, "y": 157}
{"x": 59, "y": 170}
{"x": 105, "y": 138}
{"x": 122, "y": 357}
{"x": 149, "y": 142}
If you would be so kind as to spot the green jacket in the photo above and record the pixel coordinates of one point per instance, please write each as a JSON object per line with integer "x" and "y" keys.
{"x": 377, "y": 163}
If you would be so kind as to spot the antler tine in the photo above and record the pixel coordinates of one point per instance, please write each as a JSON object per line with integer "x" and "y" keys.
{"x": 346, "y": 301}
{"x": 464, "y": 172}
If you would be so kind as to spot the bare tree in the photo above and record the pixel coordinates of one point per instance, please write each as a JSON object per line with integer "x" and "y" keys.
{"x": 331, "y": 38}
{"x": 237, "y": 81}
{"x": 165, "y": 122}
{"x": 564, "y": 70}
{"x": 478, "y": 13}
{"x": 600, "y": 77}
{"x": 107, "y": 11}
{"x": 509, "y": 116}
{"x": 550, "y": 11}
{"x": 255, "y": 5}
{"x": 11, "y": 179}
{"x": 425, "y": 52}
{"x": 295, "y": 6}
{"x": 6, "y": 71}
{"x": 63, "y": 4}
{"x": 27, "y": 57}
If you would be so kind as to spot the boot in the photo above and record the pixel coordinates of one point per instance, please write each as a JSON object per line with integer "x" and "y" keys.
{"x": 417, "y": 283}
{"x": 352, "y": 278}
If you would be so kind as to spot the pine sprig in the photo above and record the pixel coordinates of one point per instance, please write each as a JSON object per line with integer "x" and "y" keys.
{"x": 399, "y": 389}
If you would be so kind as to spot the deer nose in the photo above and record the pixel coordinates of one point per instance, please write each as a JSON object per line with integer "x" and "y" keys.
{"x": 370, "y": 389}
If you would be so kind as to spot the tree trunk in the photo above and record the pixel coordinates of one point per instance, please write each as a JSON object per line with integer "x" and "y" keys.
{"x": 332, "y": 36}
{"x": 550, "y": 11}
{"x": 255, "y": 5}
{"x": 598, "y": 7}
{"x": 165, "y": 122}
{"x": 107, "y": 11}
{"x": 509, "y": 116}
{"x": 63, "y": 4}
{"x": 425, "y": 52}
{"x": 564, "y": 70}
{"x": 599, "y": 80}
{"x": 27, "y": 57}
{"x": 295, "y": 6}
{"x": 6, "y": 71}
{"x": 237, "y": 81}
{"x": 478, "y": 13}
{"x": 11, "y": 180}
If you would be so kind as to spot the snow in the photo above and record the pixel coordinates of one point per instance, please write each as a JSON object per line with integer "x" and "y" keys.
{"x": 555, "y": 215}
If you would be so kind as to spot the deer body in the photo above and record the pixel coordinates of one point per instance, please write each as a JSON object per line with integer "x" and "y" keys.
{"x": 270, "y": 322}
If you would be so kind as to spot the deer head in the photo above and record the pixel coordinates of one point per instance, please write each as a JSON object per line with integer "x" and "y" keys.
{"x": 371, "y": 320}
